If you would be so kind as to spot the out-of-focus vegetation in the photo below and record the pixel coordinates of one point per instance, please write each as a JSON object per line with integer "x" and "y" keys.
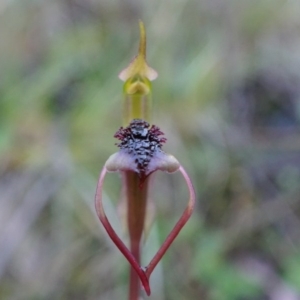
{"x": 227, "y": 97}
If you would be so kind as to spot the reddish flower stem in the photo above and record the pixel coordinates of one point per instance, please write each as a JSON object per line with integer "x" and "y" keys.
{"x": 136, "y": 197}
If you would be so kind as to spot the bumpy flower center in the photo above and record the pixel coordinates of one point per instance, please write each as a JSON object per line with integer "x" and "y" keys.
{"x": 141, "y": 142}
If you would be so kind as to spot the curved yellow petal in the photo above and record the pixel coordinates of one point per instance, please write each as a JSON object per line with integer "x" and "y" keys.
{"x": 138, "y": 68}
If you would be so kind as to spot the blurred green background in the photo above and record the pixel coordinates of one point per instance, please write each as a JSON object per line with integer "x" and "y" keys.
{"x": 227, "y": 98}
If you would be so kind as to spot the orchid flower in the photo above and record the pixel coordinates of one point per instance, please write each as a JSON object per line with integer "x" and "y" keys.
{"x": 140, "y": 155}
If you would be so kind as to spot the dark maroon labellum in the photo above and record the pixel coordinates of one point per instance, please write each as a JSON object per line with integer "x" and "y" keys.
{"x": 140, "y": 141}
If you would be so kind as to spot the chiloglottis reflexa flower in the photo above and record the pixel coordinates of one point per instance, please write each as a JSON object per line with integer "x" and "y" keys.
{"x": 141, "y": 153}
